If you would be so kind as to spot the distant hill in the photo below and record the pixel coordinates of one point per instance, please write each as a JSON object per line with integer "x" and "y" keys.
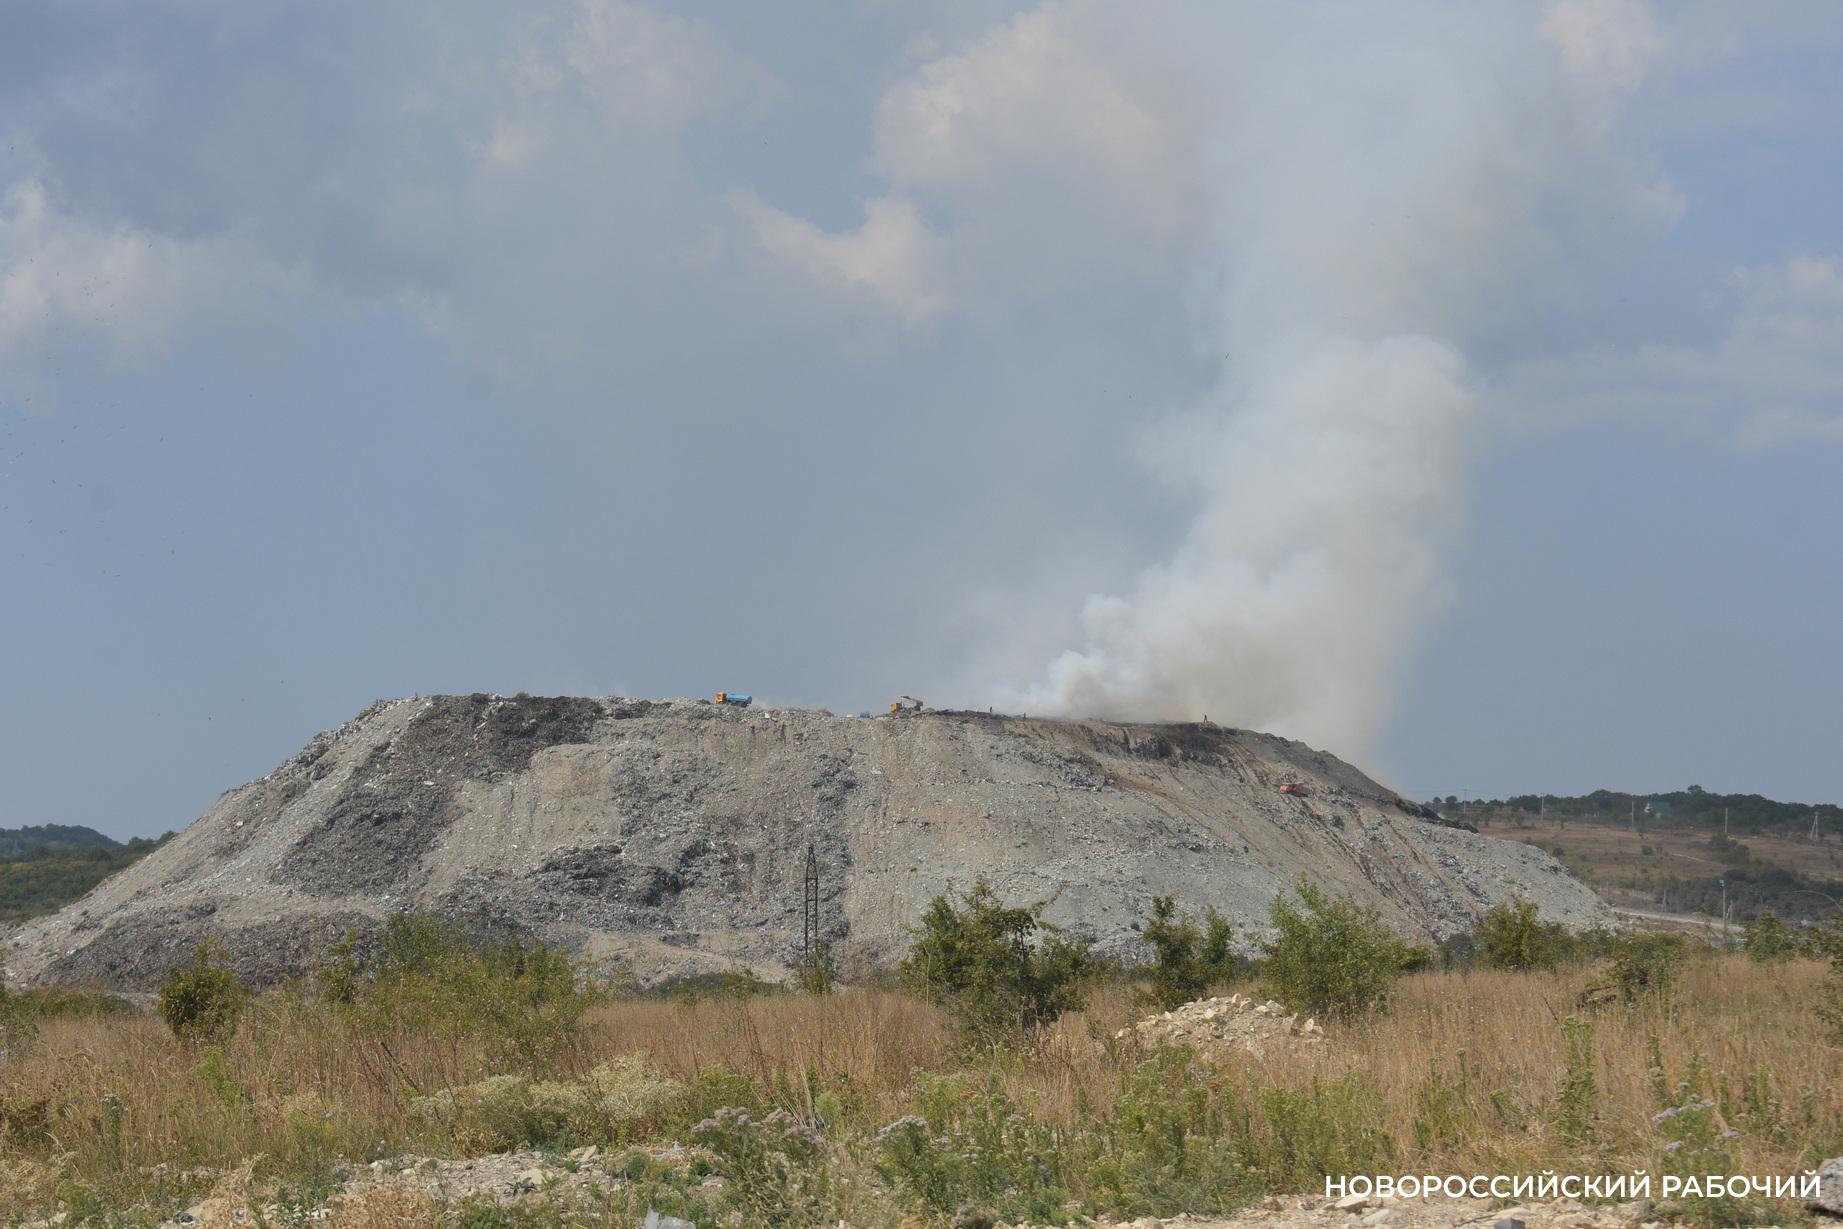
{"x": 15, "y": 841}
{"x": 44, "y": 867}
{"x": 1669, "y": 851}
{"x": 1687, "y": 810}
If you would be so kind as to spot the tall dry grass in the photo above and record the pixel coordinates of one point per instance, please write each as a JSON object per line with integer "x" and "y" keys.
{"x": 1463, "y": 1074}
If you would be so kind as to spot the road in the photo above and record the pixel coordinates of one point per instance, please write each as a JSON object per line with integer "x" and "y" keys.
{"x": 1680, "y": 920}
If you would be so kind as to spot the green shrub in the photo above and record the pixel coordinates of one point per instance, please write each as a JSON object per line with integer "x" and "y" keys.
{"x": 1302, "y": 1134}
{"x": 618, "y": 1101}
{"x": 999, "y": 969}
{"x": 1830, "y": 1008}
{"x": 215, "y": 1075}
{"x": 1165, "y": 1143}
{"x": 1693, "y": 1144}
{"x": 1170, "y": 1140}
{"x": 18, "y": 1024}
{"x": 1331, "y": 956}
{"x": 814, "y": 976}
{"x": 973, "y": 1149}
{"x": 1769, "y": 940}
{"x": 1187, "y": 958}
{"x": 725, "y": 984}
{"x": 1730, "y": 850}
{"x": 1645, "y": 966}
{"x": 714, "y": 1088}
{"x": 45, "y": 1002}
{"x": 776, "y": 1170}
{"x": 1513, "y": 936}
{"x": 525, "y": 1002}
{"x": 1577, "y": 1103}
{"x": 202, "y": 999}
{"x": 1827, "y": 941}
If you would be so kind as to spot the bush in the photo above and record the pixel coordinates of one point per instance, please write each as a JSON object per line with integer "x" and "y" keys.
{"x": 620, "y": 1100}
{"x": 1513, "y": 936}
{"x": 814, "y": 976}
{"x": 973, "y": 1148}
{"x": 1827, "y": 941}
{"x": 202, "y": 1000}
{"x": 1769, "y": 940}
{"x": 1169, "y": 1141}
{"x": 999, "y": 969}
{"x": 726, "y": 984}
{"x": 18, "y": 1023}
{"x": 1576, "y": 1104}
{"x": 1331, "y": 956}
{"x": 1693, "y": 1142}
{"x": 1645, "y": 966}
{"x": 1729, "y": 850}
{"x": 776, "y": 1170}
{"x": 524, "y": 1002}
{"x": 1187, "y": 958}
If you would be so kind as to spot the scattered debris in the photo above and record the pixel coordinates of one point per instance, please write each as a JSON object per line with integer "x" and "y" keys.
{"x": 1234, "y": 1022}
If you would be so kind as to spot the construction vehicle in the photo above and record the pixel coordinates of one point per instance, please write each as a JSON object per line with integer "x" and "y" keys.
{"x": 906, "y": 704}
{"x": 1294, "y": 787}
{"x": 733, "y": 697}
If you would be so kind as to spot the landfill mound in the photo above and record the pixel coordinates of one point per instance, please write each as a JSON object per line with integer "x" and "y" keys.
{"x": 672, "y": 837}
{"x": 1232, "y": 1022}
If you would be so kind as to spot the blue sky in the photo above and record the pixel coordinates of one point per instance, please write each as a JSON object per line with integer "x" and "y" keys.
{"x": 1459, "y": 388}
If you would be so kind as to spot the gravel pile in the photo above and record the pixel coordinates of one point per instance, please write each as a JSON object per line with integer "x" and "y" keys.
{"x": 1233, "y": 1022}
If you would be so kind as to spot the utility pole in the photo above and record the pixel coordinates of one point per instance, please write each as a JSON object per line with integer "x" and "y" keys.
{"x": 1724, "y": 821}
{"x": 1634, "y": 815}
{"x": 1814, "y": 825}
{"x": 809, "y": 938}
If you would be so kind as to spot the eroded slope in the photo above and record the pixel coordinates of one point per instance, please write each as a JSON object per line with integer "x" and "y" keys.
{"x": 672, "y": 835}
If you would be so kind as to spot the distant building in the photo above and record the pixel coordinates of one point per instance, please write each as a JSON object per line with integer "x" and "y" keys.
{"x": 1657, "y": 806}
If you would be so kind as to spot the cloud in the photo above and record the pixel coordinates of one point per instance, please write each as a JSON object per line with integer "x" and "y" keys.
{"x": 1618, "y": 41}
{"x": 1045, "y": 157}
{"x": 1331, "y": 221}
{"x": 490, "y": 172}
{"x": 1345, "y": 197}
{"x": 893, "y": 263}
{"x": 1772, "y": 376}
{"x": 650, "y": 71}
{"x": 116, "y": 283}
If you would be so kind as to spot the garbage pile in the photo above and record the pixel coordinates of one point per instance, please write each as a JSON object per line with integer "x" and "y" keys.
{"x": 1234, "y": 1022}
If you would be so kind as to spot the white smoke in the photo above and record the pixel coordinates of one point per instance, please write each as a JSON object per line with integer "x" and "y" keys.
{"x": 1383, "y": 180}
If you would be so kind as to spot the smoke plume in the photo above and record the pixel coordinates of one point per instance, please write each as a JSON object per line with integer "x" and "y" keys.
{"x": 1385, "y": 183}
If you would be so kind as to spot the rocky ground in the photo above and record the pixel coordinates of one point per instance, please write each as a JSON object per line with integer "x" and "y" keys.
{"x": 397, "y": 1189}
{"x": 671, "y": 836}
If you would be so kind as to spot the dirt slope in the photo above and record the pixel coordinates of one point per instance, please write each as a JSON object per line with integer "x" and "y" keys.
{"x": 672, "y": 835}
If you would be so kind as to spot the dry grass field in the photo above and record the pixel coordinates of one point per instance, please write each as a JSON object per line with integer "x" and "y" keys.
{"x": 1464, "y": 1073}
{"x": 1631, "y": 868}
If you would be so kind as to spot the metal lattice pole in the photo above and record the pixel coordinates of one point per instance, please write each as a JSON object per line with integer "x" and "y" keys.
{"x": 809, "y": 939}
